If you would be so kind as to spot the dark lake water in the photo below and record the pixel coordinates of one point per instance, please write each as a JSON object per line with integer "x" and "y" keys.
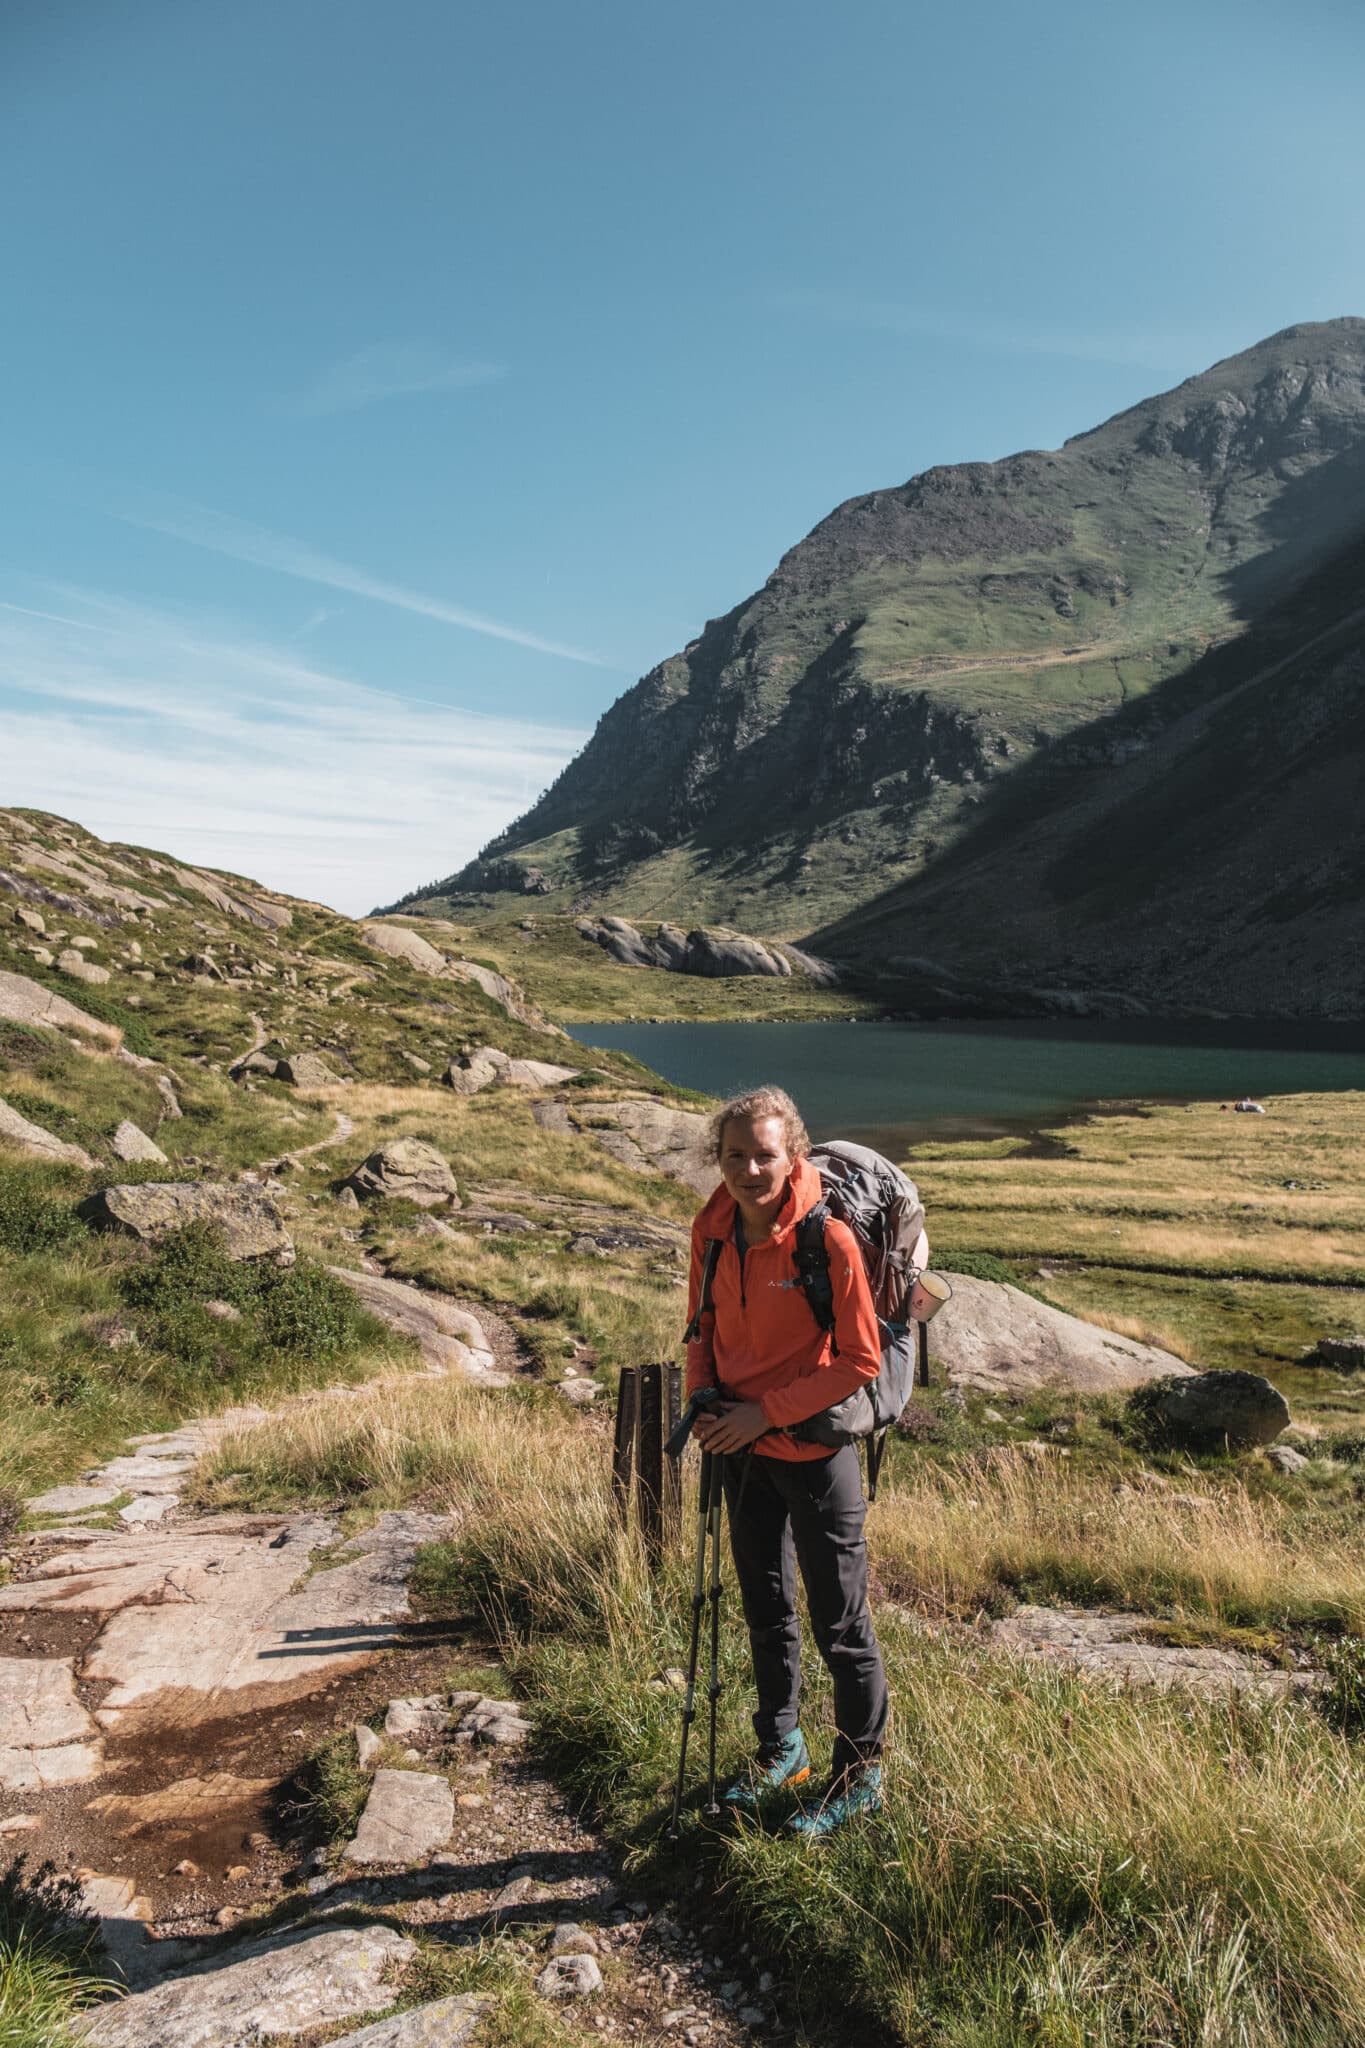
{"x": 891, "y": 1084}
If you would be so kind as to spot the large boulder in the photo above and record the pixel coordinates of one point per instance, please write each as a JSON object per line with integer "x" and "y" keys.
{"x": 409, "y": 947}
{"x": 476, "y": 1070}
{"x": 652, "y": 1137}
{"x": 30, "y": 1137}
{"x": 131, "y": 1143}
{"x": 1210, "y": 1411}
{"x": 305, "y": 1070}
{"x": 251, "y": 1225}
{"x": 27, "y": 1002}
{"x": 1338, "y": 1354}
{"x": 718, "y": 955}
{"x": 407, "y": 1170}
{"x": 1001, "y": 1340}
{"x": 623, "y": 942}
{"x": 78, "y": 968}
{"x": 670, "y": 948}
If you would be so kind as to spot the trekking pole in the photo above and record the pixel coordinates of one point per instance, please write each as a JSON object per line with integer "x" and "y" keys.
{"x": 698, "y": 1602}
{"x": 714, "y": 1520}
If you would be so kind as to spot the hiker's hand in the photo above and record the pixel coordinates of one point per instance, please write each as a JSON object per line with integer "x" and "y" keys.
{"x": 733, "y": 1428}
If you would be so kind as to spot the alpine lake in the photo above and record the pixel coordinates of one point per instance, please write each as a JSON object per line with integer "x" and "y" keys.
{"x": 893, "y": 1085}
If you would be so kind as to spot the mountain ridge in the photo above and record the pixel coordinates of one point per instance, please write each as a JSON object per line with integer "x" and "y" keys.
{"x": 836, "y": 735}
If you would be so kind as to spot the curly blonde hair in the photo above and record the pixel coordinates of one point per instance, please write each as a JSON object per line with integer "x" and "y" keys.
{"x": 756, "y": 1103}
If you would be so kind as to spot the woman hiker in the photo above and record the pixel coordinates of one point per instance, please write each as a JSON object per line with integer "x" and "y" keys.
{"x": 789, "y": 1502}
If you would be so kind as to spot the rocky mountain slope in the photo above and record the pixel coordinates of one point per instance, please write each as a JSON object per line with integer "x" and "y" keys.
{"x": 844, "y": 731}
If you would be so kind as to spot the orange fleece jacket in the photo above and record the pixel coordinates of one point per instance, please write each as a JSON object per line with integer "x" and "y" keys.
{"x": 761, "y": 1341}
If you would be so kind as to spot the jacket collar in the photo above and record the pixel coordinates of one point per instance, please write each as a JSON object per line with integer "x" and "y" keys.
{"x": 717, "y": 1218}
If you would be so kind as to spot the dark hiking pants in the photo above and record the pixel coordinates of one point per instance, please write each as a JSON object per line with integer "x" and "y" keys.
{"x": 783, "y": 1513}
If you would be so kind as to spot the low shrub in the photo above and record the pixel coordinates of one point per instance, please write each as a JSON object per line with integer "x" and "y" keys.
{"x": 31, "y": 1218}
{"x": 295, "y": 1311}
{"x": 1342, "y": 1699}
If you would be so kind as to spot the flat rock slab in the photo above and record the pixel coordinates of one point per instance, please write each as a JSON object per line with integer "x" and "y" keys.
{"x": 446, "y": 2023}
{"x": 46, "y": 1736}
{"x": 147, "y": 1507}
{"x": 33, "y": 1138}
{"x": 407, "y": 1817}
{"x": 199, "y": 1615}
{"x": 38, "y": 1704}
{"x": 1109, "y": 1646}
{"x": 1003, "y": 1341}
{"x": 27, "y": 1002}
{"x": 73, "y": 1500}
{"x": 38, "y": 1770}
{"x": 144, "y": 1474}
{"x": 286, "y": 1986}
{"x": 448, "y": 1336}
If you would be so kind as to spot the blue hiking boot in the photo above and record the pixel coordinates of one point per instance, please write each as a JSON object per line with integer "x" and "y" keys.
{"x": 785, "y": 1762}
{"x": 854, "y": 1792}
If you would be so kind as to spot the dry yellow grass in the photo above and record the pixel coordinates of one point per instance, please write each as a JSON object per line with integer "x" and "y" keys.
{"x": 1182, "y": 1188}
{"x": 1059, "y": 1861}
{"x": 949, "y": 1538}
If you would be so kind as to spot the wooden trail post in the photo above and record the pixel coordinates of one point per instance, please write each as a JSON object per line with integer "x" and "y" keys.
{"x": 647, "y": 1409}
{"x": 623, "y": 1452}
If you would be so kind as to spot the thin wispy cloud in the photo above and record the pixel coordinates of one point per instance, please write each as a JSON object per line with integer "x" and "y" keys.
{"x": 222, "y": 533}
{"x": 389, "y": 370}
{"x": 1165, "y": 353}
{"x": 177, "y": 733}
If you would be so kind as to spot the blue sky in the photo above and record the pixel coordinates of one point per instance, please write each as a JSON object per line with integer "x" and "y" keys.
{"x": 384, "y": 388}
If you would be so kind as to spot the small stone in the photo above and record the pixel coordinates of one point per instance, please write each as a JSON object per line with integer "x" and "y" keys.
{"x": 367, "y": 1747}
{"x": 572, "y": 1940}
{"x": 187, "y": 1868}
{"x": 522, "y": 1891}
{"x": 348, "y": 1199}
{"x": 222, "y": 1312}
{"x": 421, "y": 1721}
{"x": 238, "y": 1873}
{"x": 991, "y": 1415}
{"x": 20, "y": 1823}
{"x": 407, "y": 1816}
{"x": 470, "y": 1800}
{"x": 227, "y": 1916}
{"x": 1285, "y": 1458}
{"x": 751, "y": 2016}
{"x": 570, "y": 1977}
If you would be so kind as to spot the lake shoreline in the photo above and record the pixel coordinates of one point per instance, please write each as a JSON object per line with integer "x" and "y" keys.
{"x": 899, "y": 1086}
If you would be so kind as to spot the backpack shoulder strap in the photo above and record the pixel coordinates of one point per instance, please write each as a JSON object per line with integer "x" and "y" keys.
{"x": 708, "y": 1275}
{"x": 812, "y": 1266}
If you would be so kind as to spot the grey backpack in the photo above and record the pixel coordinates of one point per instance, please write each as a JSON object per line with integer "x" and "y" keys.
{"x": 882, "y": 1208}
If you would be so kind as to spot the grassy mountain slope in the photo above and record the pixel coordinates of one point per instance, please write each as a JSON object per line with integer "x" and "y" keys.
{"x": 1202, "y": 848}
{"x": 836, "y": 732}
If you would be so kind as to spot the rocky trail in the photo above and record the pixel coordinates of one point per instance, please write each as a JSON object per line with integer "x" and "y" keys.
{"x": 165, "y": 1679}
